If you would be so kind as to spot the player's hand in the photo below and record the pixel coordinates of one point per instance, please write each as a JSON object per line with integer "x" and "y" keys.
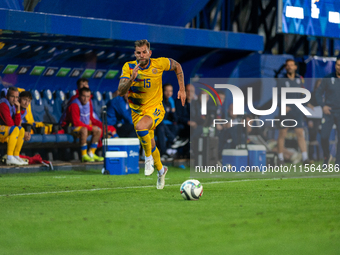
{"x": 288, "y": 109}
{"x": 135, "y": 72}
{"x": 310, "y": 124}
{"x": 27, "y": 136}
{"x": 182, "y": 95}
{"x": 310, "y": 106}
{"x": 192, "y": 124}
{"x": 17, "y": 105}
{"x": 326, "y": 110}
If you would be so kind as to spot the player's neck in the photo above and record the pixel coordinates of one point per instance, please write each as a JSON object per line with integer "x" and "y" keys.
{"x": 337, "y": 75}
{"x": 291, "y": 75}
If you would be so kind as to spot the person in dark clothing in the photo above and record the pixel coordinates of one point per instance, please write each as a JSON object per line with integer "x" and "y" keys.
{"x": 330, "y": 89}
{"x": 25, "y": 98}
{"x": 166, "y": 131}
{"x": 185, "y": 123}
{"x": 313, "y": 124}
{"x": 293, "y": 80}
{"x": 119, "y": 116}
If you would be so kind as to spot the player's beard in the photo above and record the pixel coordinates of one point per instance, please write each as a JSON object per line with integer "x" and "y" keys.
{"x": 143, "y": 62}
{"x": 290, "y": 72}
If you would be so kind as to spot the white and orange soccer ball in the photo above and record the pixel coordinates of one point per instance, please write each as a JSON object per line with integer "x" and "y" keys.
{"x": 191, "y": 190}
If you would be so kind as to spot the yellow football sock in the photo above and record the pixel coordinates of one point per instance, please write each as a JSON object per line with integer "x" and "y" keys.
{"x": 93, "y": 148}
{"x": 145, "y": 140}
{"x": 12, "y": 140}
{"x": 20, "y": 141}
{"x": 157, "y": 158}
{"x": 83, "y": 149}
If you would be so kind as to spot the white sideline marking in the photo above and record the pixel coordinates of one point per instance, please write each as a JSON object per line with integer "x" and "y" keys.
{"x": 150, "y": 186}
{"x": 132, "y": 187}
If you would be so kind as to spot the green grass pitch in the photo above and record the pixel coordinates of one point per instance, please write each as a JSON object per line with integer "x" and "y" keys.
{"x": 84, "y": 212}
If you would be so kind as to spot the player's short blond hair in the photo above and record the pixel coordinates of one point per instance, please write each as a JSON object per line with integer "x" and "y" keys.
{"x": 141, "y": 43}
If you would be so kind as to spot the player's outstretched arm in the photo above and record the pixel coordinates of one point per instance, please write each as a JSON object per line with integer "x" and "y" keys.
{"x": 175, "y": 66}
{"x": 125, "y": 84}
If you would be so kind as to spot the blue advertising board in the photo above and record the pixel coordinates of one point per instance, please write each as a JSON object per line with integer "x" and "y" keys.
{"x": 309, "y": 17}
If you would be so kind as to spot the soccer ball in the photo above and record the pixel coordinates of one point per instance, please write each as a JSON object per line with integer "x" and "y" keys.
{"x": 191, "y": 190}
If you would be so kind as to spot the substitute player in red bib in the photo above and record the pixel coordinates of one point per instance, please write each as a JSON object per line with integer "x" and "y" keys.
{"x": 142, "y": 78}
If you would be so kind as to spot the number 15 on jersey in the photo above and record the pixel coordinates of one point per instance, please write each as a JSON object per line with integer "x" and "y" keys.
{"x": 147, "y": 83}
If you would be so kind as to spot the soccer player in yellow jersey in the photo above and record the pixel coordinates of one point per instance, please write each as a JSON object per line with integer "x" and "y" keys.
{"x": 142, "y": 78}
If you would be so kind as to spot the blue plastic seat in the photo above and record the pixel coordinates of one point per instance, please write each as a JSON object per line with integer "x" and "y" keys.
{"x": 50, "y": 114}
{"x": 37, "y": 106}
{"x": 107, "y": 96}
{"x": 64, "y": 138}
{"x": 59, "y": 99}
{"x": 98, "y": 103}
{"x": 70, "y": 94}
{"x": 49, "y": 139}
{"x": 35, "y": 138}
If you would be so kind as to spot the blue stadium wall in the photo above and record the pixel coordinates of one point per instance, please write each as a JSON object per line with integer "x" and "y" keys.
{"x": 98, "y": 48}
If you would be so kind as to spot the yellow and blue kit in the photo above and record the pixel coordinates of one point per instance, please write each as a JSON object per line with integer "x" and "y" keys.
{"x": 146, "y": 92}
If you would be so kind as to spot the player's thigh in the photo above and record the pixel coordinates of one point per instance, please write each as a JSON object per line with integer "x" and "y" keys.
{"x": 283, "y": 132}
{"x": 76, "y": 131}
{"x": 95, "y": 131}
{"x": 157, "y": 115}
{"x": 149, "y": 119}
{"x": 4, "y": 133}
{"x": 299, "y": 132}
{"x": 135, "y": 118}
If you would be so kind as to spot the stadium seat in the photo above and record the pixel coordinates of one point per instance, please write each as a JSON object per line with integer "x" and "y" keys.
{"x": 70, "y": 93}
{"x": 37, "y": 106}
{"x": 68, "y": 96}
{"x": 49, "y": 139}
{"x": 51, "y": 116}
{"x": 98, "y": 103}
{"x": 59, "y": 98}
{"x": 107, "y": 96}
{"x": 35, "y": 138}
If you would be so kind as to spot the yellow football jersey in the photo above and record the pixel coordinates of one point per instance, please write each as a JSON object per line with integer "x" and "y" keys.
{"x": 146, "y": 90}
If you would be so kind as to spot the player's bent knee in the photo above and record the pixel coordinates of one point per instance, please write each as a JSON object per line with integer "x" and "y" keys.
{"x": 21, "y": 134}
{"x": 83, "y": 130}
{"x": 144, "y": 123}
{"x": 299, "y": 132}
{"x": 139, "y": 126}
{"x": 96, "y": 131}
{"x": 13, "y": 130}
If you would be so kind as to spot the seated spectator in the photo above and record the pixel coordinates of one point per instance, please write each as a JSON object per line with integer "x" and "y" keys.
{"x": 217, "y": 112}
{"x": 313, "y": 124}
{"x": 200, "y": 123}
{"x": 27, "y": 118}
{"x": 81, "y": 83}
{"x": 119, "y": 116}
{"x": 166, "y": 131}
{"x": 9, "y": 126}
{"x": 79, "y": 115}
{"x": 25, "y": 99}
{"x": 84, "y": 83}
{"x": 184, "y": 123}
{"x": 237, "y": 134}
{"x": 231, "y": 135}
